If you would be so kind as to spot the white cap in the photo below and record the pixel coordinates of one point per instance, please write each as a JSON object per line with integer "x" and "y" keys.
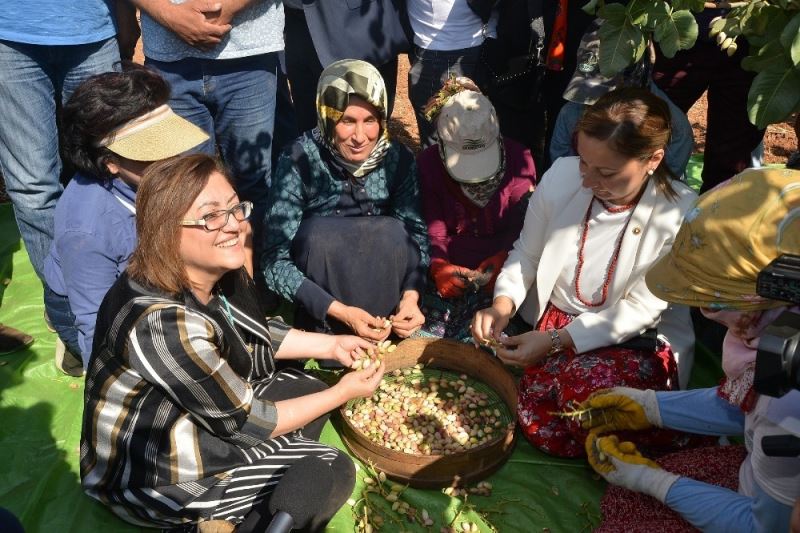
{"x": 469, "y": 132}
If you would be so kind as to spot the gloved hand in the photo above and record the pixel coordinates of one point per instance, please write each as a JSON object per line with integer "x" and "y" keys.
{"x": 622, "y": 464}
{"x": 621, "y": 408}
{"x": 451, "y": 280}
{"x": 493, "y": 265}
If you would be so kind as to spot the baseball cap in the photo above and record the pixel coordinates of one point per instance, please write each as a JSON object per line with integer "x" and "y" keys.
{"x": 587, "y": 84}
{"x": 469, "y": 136}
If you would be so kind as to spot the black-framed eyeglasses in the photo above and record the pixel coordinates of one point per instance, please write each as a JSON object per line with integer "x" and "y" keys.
{"x": 219, "y": 219}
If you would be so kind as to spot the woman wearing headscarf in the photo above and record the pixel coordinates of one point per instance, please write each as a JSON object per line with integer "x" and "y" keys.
{"x": 731, "y": 235}
{"x": 344, "y": 238}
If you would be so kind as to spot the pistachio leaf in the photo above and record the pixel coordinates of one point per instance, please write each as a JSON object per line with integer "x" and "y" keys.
{"x": 619, "y": 47}
{"x": 773, "y": 95}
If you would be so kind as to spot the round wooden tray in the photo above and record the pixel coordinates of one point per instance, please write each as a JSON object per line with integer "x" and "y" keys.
{"x": 436, "y": 471}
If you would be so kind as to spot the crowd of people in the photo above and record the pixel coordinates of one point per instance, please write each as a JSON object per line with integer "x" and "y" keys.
{"x": 251, "y": 157}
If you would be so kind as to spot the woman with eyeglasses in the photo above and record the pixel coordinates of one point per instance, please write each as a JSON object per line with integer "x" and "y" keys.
{"x": 344, "y": 235}
{"x": 114, "y": 126}
{"x": 187, "y": 420}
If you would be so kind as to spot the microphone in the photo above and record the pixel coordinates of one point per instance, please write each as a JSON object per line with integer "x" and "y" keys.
{"x": 301, "y": 493}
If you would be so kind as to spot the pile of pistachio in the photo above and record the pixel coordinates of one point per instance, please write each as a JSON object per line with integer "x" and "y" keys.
{"x": 415, "y": 414}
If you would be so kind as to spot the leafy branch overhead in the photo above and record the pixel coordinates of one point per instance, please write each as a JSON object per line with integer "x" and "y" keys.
{"x": 770, "y": 27}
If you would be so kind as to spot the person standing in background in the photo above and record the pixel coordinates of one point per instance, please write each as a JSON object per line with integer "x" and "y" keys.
{"x": 448, "y": 37}
{"x": 730, "y": 137}
{"x": 47, "y": 49}
{"x": 319, "y": 33}
{"x": 222, "y": 62}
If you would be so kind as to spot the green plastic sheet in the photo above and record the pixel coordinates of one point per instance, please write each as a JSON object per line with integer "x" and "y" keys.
{"x": 40, "y": 418}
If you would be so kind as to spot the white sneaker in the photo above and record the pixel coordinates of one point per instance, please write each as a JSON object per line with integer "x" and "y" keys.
{"x": 67, "y": 362}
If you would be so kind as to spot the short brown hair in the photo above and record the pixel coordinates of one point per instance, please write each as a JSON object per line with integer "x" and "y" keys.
{"x": 167, "y": 191}
{"x": 635, "y": 123}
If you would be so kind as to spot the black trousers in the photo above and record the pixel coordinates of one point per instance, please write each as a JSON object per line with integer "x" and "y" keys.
{"x": 303, "y": 69}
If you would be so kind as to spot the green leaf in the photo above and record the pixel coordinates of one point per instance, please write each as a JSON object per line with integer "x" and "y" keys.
{"x": 619, "y": 47}
{"x": 590, "y": 8}
{"x": 773, "y": 95}
{"x": 614, "y": 14}
{"x": 639, "y": 11}
{"x": 770, "y": 22}
{"x": 678, "y": 32}
{"x": 790, "y": 38}
{"x": 771, "y": 56}
{"x": 687, "y": 28}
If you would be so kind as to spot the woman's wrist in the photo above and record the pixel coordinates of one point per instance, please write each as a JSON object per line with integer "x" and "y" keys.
{"x": 410, "y": 296}
{"x": 337, "y": 310}
{"x": 562, "y": 340}
{"x": 504, "y": 305}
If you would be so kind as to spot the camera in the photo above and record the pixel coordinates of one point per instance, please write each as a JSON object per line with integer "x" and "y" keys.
{"x": 778, "y": 358}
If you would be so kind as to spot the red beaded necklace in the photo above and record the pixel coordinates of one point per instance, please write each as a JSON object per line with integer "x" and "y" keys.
{"x": 613, "y": 265}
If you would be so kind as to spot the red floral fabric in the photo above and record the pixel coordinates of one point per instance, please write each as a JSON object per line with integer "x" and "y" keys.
{"x": 561, "y": 381}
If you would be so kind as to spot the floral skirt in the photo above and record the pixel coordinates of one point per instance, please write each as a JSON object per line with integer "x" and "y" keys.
{"x": 555, "y": 386}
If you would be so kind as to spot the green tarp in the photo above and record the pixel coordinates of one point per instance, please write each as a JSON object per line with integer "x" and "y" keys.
{"x": 40, "y": 415}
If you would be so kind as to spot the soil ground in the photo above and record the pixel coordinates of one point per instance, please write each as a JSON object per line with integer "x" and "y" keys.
{"x": 779, "y": 141}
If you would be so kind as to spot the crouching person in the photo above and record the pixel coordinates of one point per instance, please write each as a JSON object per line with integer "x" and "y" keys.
{"x": 733, "y": 233}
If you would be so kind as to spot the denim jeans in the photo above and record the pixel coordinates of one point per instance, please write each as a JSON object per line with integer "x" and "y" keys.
{"x": 63, "y": 321}
{"x": 429, "y": 70}
{"x": 34, "y": 81}
{"x": 233, "y": 100}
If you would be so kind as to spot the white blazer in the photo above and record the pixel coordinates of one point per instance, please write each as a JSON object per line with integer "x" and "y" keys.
{"x": 555, "y": 215}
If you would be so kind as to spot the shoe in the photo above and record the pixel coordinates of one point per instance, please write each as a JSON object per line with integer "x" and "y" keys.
{"x": 13, "y": 340}
{"x": 67, "y": 362}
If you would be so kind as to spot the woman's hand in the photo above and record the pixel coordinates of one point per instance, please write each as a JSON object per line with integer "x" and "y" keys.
{"x": 489, "y": 323}
{"x": 408, "y": 318}
{"x": 361, "y": 383}
{"x": 524, "y": 350}
{"x": 362, "y": 323}
{"x": 347, "y": 348}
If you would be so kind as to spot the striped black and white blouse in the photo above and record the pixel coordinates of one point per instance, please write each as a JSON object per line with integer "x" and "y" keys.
{"x": 170, "y": 403}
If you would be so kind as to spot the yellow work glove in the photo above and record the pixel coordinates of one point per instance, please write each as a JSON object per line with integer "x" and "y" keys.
{"x": 622, "y": 464}
{"x": 620, "y": 408}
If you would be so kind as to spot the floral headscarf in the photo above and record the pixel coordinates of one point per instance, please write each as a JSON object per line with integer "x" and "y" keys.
{"x": 337, "y": 83}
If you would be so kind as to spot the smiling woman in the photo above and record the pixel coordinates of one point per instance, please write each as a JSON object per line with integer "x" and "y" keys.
{"x": 345, "y": 238}
{"x": 204, "y": 425}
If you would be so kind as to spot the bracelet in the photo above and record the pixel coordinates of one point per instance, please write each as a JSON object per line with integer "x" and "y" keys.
{"x": 555, "y": 339}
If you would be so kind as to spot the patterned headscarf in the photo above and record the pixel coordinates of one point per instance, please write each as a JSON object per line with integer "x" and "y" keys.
{"x": 337, "y": 83}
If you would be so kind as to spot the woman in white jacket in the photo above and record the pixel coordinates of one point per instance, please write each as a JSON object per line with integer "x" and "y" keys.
{"x": 594, "y": 226}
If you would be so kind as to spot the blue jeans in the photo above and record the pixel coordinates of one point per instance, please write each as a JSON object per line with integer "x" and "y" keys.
{"x": 34, "y": 80}
{"x": 63, "y": 321}
{"x": 233, "y": 100}
{"x": 429, "y": 70}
